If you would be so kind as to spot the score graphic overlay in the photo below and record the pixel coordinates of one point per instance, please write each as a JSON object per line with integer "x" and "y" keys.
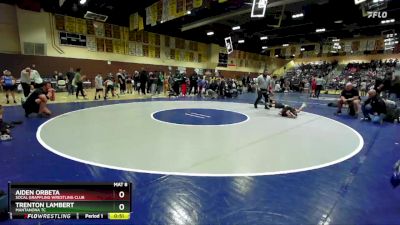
{"x": 70, "y": 201}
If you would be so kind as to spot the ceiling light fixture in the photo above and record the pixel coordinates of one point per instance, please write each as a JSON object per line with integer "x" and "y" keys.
{"x": 298, "y": 15}
{"x": 241, "y": 41}
{"x": 189, "y": 12}
{"x": 263, "y": 38}
{"x": 264, "y": 47}
{"x": 82, "y": 2}
{"x": 285, "y": 45}
{"x": 302, "y": 49}
{"x": 210, "y": 33}
{"x": 338, "y": 21}
{"x": 320, "y": 30}
{"x": 236, "y": 28}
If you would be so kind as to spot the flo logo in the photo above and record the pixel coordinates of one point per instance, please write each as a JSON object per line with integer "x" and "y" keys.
{"x": 380, "y": 15}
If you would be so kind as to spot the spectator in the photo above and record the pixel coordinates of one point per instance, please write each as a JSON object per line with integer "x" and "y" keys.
{"x": 70, "y": 77}
{"x": 350, "y": 97}
{"x": 193, "y": 83}
{"x": 319, "y": 82}
{"x": 121, "y": 81}
{"x": 160, "y": 82}
{"x": 143, "y": 80}
{"x": 129, "y": 84}
{"x": 79, "y": 83}
{"x": 98, "y": 82}
{"x": 8, "y": 83}
{"x": 374, "y": 107}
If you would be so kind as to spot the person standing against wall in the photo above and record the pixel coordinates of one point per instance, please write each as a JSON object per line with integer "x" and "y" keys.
{"x": 129, "y": 84}
{"x": 98, "y": 81}
{"x": 79, "y": 83}
{"x": 143, "y": 81}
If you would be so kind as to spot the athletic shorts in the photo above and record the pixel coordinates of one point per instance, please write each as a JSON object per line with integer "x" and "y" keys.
{"x": 9, "y": 88}
{"x": 31, "y": 107}
{"x": 99, "y": 89}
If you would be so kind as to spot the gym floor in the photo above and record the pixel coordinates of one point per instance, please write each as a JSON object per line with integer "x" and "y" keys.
{"x": 254, "y": 167}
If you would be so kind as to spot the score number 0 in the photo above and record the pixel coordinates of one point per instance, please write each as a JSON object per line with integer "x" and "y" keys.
{"x": 121, "y": 206}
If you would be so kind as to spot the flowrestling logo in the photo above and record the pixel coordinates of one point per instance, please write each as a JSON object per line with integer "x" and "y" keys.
{"x": 380, "y": 15}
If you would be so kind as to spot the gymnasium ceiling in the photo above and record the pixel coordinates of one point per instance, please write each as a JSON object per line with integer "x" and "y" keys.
{"x": 317, "y": 14}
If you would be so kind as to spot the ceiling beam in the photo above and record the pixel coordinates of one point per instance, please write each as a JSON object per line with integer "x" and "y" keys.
{"x": 228, "y": 15}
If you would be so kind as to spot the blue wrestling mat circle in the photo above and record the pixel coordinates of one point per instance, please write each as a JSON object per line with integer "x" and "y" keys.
{"x": 200, "y": 117}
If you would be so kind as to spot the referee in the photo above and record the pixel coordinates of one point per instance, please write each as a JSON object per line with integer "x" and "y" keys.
{"x": 263, "y": 84}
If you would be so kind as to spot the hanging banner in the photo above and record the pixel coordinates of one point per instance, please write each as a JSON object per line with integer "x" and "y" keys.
{"x": 60, "y": 22}
{"x": 118, "y": 47}
{"x": 125, "y": 34}
{"x": 355, "y": 46}
{"x": 379, "y": 45}
{"x": 197, "y": 3}
{"x": 139, "y": 37}
{"x": 116, "y": 32}
{"x": 182, "y": 55}
{"x": 152, "y": 39}
{"x": 98, "y": 29}
{"x": 145, "y": 37}
{"x": 139, "y": 49}
{"x": 80, "y": 26}
{"x": 148, "y": 16}
{"x": 91, "y": 43}
{"x": 195, "y": 57}
{"x": 172, "y": 54}
{"x": 172, "y": 42}
{"x": 140, "y": 22}
{"x": 100, "y": 44}
{"x": 158, "y": 40}
{"x": 152, "y": 51}
{"x": 145, "y": 51}
{"x": 177, "y": 55}
{"x": 158, "y": 52}
{"x": 189, "y": 5}
{"x": 159, "y": 10}
{"x": 132, "y": 22}
{"x": 153, "y": 13}
{"x": 109, "y": 45}
{"x": 90, "y": 27}
{"x": 70, "y": 25}
{"x": 180, "y": 8}
{"x": 108, "y": 30}
{"x": 347, "y": 46}
{"x": 187, "y": 56}
{"x": 165, "y": 10}
{"x": 370, "y": 45}
{"x": 132, "y": 48}
{"x": 172, "y": 9}
{"x": 363, "y": 45}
